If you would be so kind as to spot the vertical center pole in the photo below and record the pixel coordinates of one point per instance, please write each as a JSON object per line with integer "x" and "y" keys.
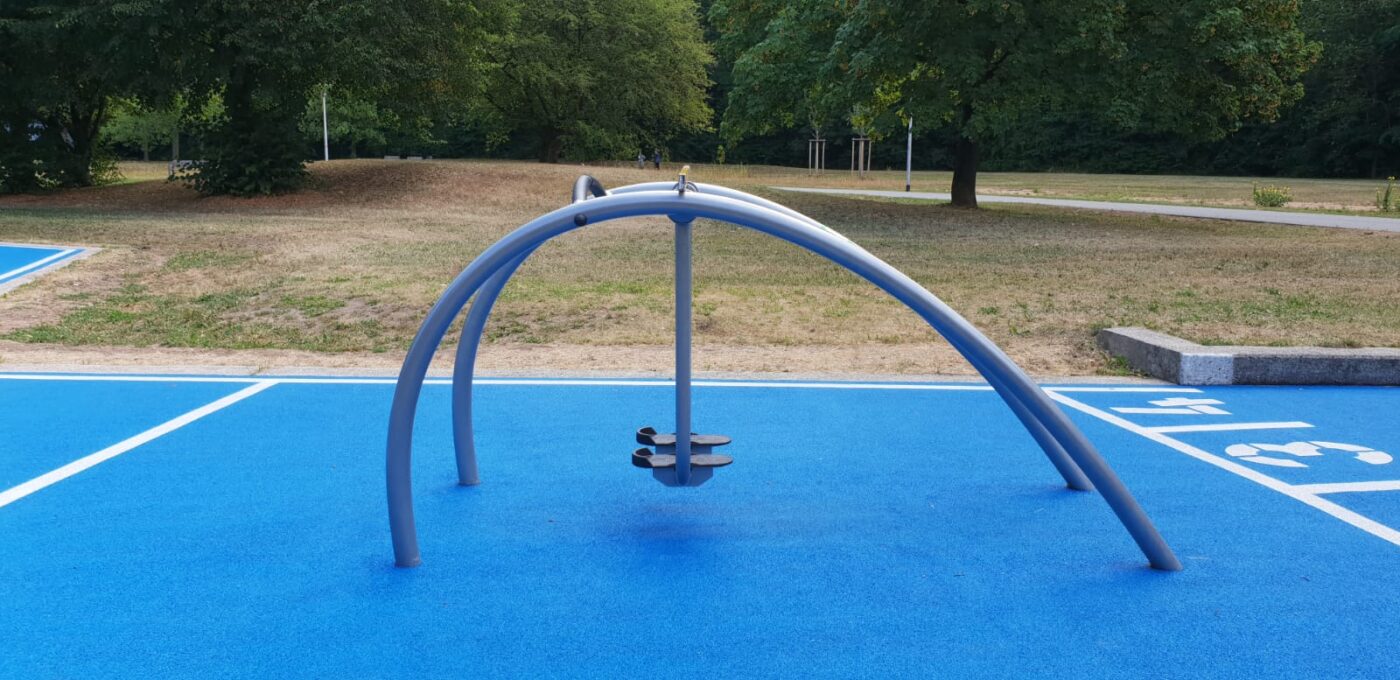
{"x": 683, "y": 330}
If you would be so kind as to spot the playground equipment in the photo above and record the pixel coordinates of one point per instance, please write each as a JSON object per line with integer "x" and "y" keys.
{"x": 689, "y": 460}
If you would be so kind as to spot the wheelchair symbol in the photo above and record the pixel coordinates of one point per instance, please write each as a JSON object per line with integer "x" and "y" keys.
{"x": 1250, "y": 452}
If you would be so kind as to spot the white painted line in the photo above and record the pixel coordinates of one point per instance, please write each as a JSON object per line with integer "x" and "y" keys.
{"x": 17, "y": 492}
{"x": 1297, "y": 493}
{"x": 1350, "y": 487}
{"x": 957, "y": 387}
{"x": 970, "y": 387}
{"x": 38, "y": 264}
{"x": 492, "y": 381}
{"x": 82, "y": 377}
{"x": 1156, "y": 411}
{"x": 1231, "y": 427}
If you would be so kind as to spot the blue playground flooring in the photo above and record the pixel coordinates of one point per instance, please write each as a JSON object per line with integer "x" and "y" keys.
{"x": 23, "y": 261}
{"x": 186, "y": 526}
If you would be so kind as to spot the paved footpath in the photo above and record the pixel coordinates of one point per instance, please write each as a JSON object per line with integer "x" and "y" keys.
{"x": 1239, "y": 214}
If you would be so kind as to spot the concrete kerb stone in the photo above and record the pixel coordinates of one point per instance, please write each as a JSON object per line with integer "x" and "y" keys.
{"x": 1187, "y": 363}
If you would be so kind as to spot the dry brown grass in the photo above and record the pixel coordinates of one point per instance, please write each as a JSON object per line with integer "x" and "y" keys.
{"x": 351, "y": 264}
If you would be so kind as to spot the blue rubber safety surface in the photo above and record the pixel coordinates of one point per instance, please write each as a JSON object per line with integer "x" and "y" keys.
{"x": 863, "y": 531}
{"x": 18, "y": 261}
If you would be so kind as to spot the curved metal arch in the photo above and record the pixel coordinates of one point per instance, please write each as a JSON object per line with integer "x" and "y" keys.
{"x": 464, "y": 366}
{"x": 1011, "y": 383}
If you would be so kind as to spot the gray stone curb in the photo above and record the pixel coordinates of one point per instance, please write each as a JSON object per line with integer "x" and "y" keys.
{"x": 1187, "y": 363}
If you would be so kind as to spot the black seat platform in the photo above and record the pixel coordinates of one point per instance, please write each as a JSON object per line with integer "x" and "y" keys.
{"x": 644, "y": 458}
{"x": 648, "y": 436}
{"x": 662, "y": 461}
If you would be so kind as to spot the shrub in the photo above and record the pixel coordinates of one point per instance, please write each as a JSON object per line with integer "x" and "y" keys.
{"x": 1272, "y": 196}
{"x": 1385, "y": 197}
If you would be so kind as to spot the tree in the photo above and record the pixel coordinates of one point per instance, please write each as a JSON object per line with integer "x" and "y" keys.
{"x": 779, "y": 52}
{"x": 353, "y": 123}
{"x": 599, "y": 76}
{"x": 1199, "y": 68}
{"x": 1346, "y": 125}
{"x": 1350, "y": 121}
{"x": 266, "y": 58}
{"x": 141, "y": 127}
{"x": 61, "y": 63}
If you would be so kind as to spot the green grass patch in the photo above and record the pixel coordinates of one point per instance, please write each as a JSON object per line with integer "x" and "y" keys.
{"x": 311, "y": 305}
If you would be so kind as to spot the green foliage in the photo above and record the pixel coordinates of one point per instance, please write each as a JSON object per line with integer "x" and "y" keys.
{"x": 266, "y": 58}
{"x": 1345, "y": 125}
{"x": 353, "y": 123}
{"x": 140, "y": 127}
{"x": 1097, "y": 85}
{"x": 980, "y": 68}
{"x": 1350, "y": 122}
{"x": 254, "y": 149}
{"x": 780, "y": 75}
{"x": 598, "y": 78}
{"x": 1385, "y": 197}
{"x": 60, "y": 62}
{"x": 1269, "y": 196}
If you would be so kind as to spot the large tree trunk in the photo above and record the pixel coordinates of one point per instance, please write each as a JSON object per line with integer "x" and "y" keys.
{"x": 551, "y": 145}
{"x": 965, "y": 173}
{"x": 79, "y": 123}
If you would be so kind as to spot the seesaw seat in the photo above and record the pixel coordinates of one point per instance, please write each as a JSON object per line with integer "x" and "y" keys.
{"x": 644, "y": 458}
{"x": 648, "y": 436}
{"x": 662, "y": 461}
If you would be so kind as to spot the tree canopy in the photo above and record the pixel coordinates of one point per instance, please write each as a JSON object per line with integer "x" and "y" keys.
{"x": 61, "y": 65}
{"x": 266, "y": 58}
{"x": 982, "y": 67}
{"x": 1194, "y": 86}
{"x": 600, "y": 77}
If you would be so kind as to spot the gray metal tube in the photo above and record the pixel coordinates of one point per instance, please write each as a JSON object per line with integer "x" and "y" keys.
{"x": 717, "y": 190}
{"x": 464, "y": 369}
{"x": 464, "y": 365}
{"x": 995, "y": 365}
{"x": 1064, "y": 464}
{"x": 586, "y": 186}
{"x": 683, "y": 334}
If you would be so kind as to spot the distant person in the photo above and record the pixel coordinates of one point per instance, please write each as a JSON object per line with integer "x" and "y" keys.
{"x": 641, "y": 160}
{"x": 656, "y": 158}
